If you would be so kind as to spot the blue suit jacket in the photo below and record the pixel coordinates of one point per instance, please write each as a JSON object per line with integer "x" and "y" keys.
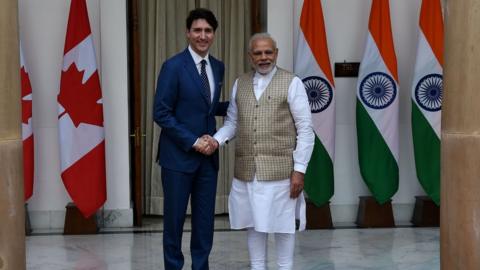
{"x": 184, "y": 113}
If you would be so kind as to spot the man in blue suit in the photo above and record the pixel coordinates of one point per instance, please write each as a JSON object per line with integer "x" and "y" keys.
{"x": 186, "y": 102}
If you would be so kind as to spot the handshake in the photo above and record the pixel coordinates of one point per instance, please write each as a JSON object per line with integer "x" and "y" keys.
{"x": 206, "y": 145}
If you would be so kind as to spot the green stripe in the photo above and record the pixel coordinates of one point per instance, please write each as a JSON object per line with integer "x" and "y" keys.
{"x": 319, "y": 175}
{"x": 378, "y": 166}
{"x": 426, "y": 146}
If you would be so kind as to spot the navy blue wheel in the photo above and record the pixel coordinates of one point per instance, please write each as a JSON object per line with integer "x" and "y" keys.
{"x": 429, "y": 92}
{"x": 378, "y": 90}
{"x": 319, "y": 92}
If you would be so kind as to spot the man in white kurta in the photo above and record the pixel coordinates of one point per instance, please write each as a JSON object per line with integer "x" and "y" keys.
{"x": 268, "y": 205}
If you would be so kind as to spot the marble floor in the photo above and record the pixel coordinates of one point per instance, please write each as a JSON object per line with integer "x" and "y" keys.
{"x": 405, "y": 248}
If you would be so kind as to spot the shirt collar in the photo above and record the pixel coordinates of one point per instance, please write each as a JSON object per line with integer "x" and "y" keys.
{"x": 196, "y": 57}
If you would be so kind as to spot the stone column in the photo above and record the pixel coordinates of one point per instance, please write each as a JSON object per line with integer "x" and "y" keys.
{"x": 460, "y": 165}
{"x": 12, "y": 214}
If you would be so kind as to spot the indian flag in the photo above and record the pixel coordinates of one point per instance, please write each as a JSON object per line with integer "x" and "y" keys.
{"x": 427, "y": 92}
{"x": 312, "y": 65}
{"x": 377, "y": 107}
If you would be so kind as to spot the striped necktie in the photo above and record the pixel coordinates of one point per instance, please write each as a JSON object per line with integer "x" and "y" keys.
{"x": 203, "y": 74}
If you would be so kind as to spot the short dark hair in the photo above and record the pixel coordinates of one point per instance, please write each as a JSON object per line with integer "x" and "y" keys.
{"x": 202, "y": 13}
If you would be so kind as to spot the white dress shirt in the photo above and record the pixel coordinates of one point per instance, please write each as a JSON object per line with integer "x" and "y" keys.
{"x": 299, "y": 107}
{"x": 197, "y": 59}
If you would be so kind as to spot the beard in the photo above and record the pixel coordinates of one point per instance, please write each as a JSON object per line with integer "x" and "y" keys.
{"x": 265, "y": 69}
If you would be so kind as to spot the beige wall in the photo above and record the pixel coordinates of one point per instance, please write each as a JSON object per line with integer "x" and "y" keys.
{"x": 12, "y": 232}
{"x": 460, "y": 211}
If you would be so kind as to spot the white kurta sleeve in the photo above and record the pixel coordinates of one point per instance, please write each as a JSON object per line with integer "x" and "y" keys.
{"x": 228, "y": 130}
{"x": 300, "y": 109}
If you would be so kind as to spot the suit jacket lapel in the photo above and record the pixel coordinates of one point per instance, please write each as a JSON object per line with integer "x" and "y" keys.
{"x": 193, "y": 71}
{"x": 216, "y": 78}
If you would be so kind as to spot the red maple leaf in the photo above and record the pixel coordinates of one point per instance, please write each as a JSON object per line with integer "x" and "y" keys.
{"x": 81, "y": 100}
{"x": 26, "y": 88}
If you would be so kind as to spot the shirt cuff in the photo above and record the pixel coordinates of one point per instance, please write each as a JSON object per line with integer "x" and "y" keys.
{"x": 196, "y": 141}
{"x": 221, "y": 141}
{"x": 300, "y": 168}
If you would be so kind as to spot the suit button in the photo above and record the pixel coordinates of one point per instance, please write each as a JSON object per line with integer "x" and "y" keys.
{"x": 256, "y": 106}
{"x": 255, "y": 130}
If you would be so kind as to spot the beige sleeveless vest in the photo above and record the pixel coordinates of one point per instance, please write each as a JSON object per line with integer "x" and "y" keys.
{"x": 266, "y": 133}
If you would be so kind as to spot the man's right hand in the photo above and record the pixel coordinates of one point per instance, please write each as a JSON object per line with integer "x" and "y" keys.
{"x": 206, "y": 145}
{"x": 296, "y": 184}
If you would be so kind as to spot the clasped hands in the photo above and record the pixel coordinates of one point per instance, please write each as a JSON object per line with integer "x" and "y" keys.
{"x": 206, "y": 145}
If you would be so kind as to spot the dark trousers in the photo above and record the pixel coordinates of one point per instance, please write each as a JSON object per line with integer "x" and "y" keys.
{"x": 201, "y": 186}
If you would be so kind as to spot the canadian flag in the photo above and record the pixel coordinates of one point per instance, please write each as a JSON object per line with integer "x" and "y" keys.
{"x": 80, "y": 116}
{"x": 27, "y": 129}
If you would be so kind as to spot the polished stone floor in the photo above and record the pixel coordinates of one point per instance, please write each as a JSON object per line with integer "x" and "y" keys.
{"x": 404, "y": 248}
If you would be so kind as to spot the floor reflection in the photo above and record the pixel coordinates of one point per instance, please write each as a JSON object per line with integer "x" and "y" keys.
{"x": 339, "y": 249}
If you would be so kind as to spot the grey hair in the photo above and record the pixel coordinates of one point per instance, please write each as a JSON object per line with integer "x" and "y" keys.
{"x": 263, "y": 35}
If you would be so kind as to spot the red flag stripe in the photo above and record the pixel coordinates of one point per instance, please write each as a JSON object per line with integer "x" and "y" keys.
{"x": 82, "y": 181}
{"x": 28, "y": 169}
{"x": 26, "y": 87}
{"x": 28, "y": 142}
{"x": 431, "y": 23}
{"x": 381, "y": 31}
{"x": 78, "y": 24}
{"x": 313, "y": 28}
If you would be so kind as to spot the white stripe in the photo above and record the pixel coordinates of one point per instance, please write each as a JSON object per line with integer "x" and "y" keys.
{"x": 426, "y": 64}
{"x": 323, "y": 122}
{"x": 84, "y": 57}
{"x": 305, "y": 62}
{"x": 76, "y": 142}
{"x": 27, "y": 97}
{"x": 27, "y": 130}
{"x": 61, "y": 109}
{"x": 22, "y": 60}
{"x": 385, "y": 119}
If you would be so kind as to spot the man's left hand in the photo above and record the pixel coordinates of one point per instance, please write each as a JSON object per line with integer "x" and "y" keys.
{"x": 296, "y": 184}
